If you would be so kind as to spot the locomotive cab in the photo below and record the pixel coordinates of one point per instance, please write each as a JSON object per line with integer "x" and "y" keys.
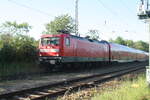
{"x": 49, "y": 49}
{"x": 49, "y": 46}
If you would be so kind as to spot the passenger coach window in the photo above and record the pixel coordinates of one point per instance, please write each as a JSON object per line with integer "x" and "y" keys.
{"x": 67, "y": 41}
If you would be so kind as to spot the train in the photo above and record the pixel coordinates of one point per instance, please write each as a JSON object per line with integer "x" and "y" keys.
{"x": 66, "y": 48}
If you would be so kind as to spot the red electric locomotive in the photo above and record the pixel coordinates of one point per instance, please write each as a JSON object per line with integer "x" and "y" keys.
{"x": 67, "y": 48}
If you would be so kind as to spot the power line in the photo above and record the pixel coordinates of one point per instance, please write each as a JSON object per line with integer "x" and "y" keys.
{"x": 125, "y": 6}
{"x": 28, "y": 7}
{"x": 106, "y": 7}
{"x": 112, "y": 12}
{"x": 47, "y": 14}
{"x": 109, "y": 10}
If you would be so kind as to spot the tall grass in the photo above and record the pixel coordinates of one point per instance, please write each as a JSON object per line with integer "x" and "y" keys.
{"x": 136, "y": 90}
{"x": 19, "y": 68}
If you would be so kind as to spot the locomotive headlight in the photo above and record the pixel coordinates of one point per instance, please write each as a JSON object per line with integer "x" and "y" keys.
{"x": 48, "y": 47}
{"x": 57, "y": 54}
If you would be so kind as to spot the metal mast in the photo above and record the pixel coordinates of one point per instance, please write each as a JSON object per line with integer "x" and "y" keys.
{"x": 144, "y": 13}
{"x": 76, "y": 18}
{"x": 147, "y": 5}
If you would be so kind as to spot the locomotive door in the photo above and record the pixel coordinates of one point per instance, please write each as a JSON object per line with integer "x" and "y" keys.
{"x": 68, "y": 47}
{"x": 75, "y": 47}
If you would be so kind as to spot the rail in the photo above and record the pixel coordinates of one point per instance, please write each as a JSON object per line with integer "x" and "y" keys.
{"x": 56, "y": 89}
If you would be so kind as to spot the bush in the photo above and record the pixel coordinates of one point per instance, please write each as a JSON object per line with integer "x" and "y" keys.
{"x": 7, "y": 53}
{"x": 18, "y": 48}
{"x": 26, "y": 48}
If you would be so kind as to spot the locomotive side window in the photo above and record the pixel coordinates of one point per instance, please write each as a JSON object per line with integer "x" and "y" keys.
{"x": 67, "y": 42}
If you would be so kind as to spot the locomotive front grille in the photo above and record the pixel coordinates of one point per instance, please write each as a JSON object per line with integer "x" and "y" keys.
{"x": 51, "y": 60}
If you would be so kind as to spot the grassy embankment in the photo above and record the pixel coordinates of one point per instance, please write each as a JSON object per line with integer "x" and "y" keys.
{"x": 130, "y": 87}
{"x": 135, "y": 90}
{"x": 16, "y": 69}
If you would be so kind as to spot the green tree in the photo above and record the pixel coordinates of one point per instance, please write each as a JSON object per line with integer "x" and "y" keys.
{"x": 129, "y": 43}
{"x": 120, "y": 40}
{"x": 93, "y": 34}
{"x": 8, "y": 30}
{"x": 6, "y": 39}
{"x": 25, "y": 48}
{"x": 1, "y": 44}
{"x": 7, "y": 53}
{"x": 15, "y": 44}
{"x": 14, "y": 28}
{"x": 111, "y": 40}
{"x": 142, "y": 45}
{"x": 63, "y": 22}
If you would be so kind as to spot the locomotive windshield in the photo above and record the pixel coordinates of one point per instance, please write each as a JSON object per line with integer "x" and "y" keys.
{"x": 50, "y": 41}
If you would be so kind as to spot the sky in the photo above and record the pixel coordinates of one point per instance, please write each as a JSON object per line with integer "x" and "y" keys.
{"x": 112, "y": 18}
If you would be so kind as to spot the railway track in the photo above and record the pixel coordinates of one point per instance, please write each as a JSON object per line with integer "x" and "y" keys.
{"x": 60, "y": 88}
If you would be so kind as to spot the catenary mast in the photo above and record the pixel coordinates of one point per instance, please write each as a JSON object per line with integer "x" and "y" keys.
{"x": 76, "y": 18}
{"x": 144, "y": 14}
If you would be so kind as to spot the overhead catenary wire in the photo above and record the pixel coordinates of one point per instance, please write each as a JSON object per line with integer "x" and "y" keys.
{"x": 49, "y": 15}
{"x": 112, "y": 12}
{"x": 34, "y": 9}
{"x": 106, "y": 7}
{"x": 126, "y": 6}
